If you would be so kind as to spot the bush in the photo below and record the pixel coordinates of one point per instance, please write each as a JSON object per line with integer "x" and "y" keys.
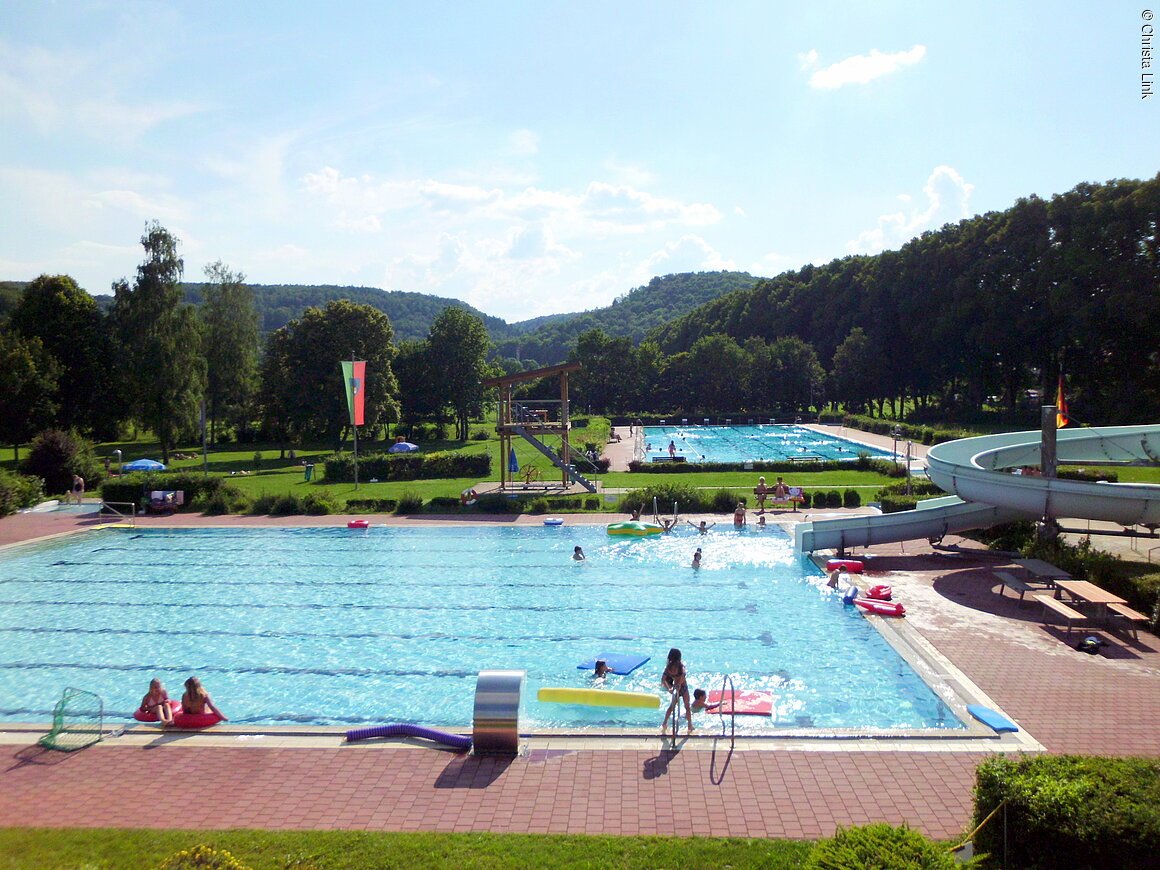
{"x": 481, "y": 435}
{"x": 538, "y": 506}
{"x": 263, "y": 505}
{"x": 882, "y": 846}
{"x": 723, "y": 501}
{"x": 319, "y": 503}
{"x": 18, "y": 491}
{"x": 687, "y": 498}
{"x": 443, "y": 504}
{"x": 285, "y": 505}
{"x": 1069, "y": 811}
{"x": 833, "y": 499}
{"x": 411, "y": 502}
{"x": 891, "y": 504}
{"x": 593, "y": 503}
{"x": 224, "y": 499}
{"x": 371, "y": 505}
{"x": 202, "y": 857}
{"x": 55, "y": 456}
{"x": 851, "y": 499}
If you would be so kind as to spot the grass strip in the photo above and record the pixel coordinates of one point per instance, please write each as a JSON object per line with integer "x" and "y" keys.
{"x": 100, "y": 848}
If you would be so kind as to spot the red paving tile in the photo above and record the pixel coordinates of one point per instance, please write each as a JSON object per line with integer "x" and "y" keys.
{"x": 1069, "y": 701}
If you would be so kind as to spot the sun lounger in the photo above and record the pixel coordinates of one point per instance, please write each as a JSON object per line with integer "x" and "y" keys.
{"x": 1069, "y": 614}
{"x": 1010, "y": 581}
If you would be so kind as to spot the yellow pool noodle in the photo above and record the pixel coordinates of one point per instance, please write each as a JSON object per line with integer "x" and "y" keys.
{"x": 598, "y": 697}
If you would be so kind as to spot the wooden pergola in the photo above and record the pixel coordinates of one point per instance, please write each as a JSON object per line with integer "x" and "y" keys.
{"x": 515, "y": 420}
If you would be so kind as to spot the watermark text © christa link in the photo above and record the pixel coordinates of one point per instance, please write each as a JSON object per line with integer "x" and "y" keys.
{"x": 1146, "y": 33}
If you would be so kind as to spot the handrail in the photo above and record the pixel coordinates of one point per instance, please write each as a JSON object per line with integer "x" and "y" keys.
{"x": 111, "y": 507}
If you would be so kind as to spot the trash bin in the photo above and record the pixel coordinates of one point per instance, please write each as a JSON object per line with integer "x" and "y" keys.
{"x": 309, "y": 471}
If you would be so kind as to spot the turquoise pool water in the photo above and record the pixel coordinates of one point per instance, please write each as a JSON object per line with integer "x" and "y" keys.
{"x": 339, "y": 627}
{"x": 756, "y": 443}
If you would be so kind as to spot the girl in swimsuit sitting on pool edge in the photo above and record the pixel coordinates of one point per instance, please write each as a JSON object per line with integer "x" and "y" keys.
{"x": 196, "y": 700}
{"x": 673, "y": 679}
{"x": 156, "y": 702}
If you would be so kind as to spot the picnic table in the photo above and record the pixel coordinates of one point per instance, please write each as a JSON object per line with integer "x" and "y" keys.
{"x": 1043, "y": 572}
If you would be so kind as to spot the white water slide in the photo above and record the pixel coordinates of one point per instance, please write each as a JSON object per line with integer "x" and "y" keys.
{"x": 986, "y": 493}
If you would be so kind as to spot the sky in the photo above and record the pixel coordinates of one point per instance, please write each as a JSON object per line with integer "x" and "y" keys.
{"x": 532, "y": 158}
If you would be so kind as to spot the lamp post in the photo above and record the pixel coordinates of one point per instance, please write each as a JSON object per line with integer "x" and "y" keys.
{"x": 897, "y": 433}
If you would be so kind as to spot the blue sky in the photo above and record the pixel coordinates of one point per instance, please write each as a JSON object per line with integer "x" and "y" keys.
{"x": 538, "y": 157}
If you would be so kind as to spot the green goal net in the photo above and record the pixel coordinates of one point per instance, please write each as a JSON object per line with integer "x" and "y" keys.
{"x": 78, "y": 721}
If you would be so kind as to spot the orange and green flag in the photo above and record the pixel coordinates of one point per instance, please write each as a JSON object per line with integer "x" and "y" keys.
{"x": 354, "y": 374}
{"x": 1061, "y": 418}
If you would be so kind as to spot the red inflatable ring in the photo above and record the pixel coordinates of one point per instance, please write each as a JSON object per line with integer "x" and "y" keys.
{"x": 880, "y": 593}
{"x": 141, "y": 716}
{"x": 358, "y": 524}
{"x": 195, "y": 720}
{"x": 853, "y": 566}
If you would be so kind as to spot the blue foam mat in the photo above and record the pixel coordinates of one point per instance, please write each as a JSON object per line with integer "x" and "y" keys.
{"x": 996, "y": 720}
{"x": 618, "y": 663}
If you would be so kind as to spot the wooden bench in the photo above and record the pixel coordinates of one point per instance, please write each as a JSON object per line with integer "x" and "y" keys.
{"x": 1133, "y": 617}
{"x": 1069, "y": 614}
{"x": 1010, "y": 581}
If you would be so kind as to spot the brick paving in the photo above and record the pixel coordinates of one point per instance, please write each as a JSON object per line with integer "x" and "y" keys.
{"x": 1069, "y": 701}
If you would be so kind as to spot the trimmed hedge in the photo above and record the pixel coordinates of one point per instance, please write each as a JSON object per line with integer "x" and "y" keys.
{"x": 407, "y": 466}
{"x": 18, "y": 491}
{"x": 1069, "y": 811}
{"x": 907, "y": 431}
{"x": 134, "y": 488}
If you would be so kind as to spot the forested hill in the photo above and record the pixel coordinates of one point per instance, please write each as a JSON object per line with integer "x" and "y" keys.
{"x": 411, "y": 314}
{"x": 981, "y": 307}
{"x": 549, "y": 340}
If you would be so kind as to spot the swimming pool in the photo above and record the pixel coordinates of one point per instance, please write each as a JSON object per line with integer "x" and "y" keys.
{"x": 336, "y": 627}
{"x": 756, "y": 443}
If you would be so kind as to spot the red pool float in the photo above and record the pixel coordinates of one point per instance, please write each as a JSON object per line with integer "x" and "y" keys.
{"x": 195, "y": 720}
{"x": 852, "y": 566}
{"x": 141, "y": 716}
{"x": 358, "y": 524}
{"x": 880, "y": 593}
{"x": 882, "y": 608}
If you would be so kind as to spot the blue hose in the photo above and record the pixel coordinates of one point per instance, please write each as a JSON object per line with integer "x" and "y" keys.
{"x": 405, "y": 729}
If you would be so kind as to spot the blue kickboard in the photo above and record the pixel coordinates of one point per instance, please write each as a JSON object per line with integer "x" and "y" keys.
{"x": 618, "y": 663}
{"x": 996, "y": 720}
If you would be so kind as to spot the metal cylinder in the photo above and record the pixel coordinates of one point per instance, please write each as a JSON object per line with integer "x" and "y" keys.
{"x": 496, "y": 730}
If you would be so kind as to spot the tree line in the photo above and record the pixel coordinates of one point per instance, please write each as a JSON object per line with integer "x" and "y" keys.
{"x": 155, "y": 361}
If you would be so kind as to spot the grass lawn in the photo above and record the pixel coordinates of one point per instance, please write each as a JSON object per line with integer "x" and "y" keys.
{"x": 62, "y": 849}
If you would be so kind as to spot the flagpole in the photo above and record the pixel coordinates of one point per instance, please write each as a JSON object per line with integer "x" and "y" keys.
{"x": 354, "y": 425}
{"x": 204, "y": 451}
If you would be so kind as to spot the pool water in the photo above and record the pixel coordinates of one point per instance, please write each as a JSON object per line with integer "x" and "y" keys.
{"x": 756, "y": 443}
{"x": 338, "y": 627}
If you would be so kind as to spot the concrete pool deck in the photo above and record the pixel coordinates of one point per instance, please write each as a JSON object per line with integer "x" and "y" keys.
{"x": 1066, "y": 700}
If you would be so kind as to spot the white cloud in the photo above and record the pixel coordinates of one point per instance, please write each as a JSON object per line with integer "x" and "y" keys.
{"x": 689, "y": 253}
{"x": 947, "y": 196}
{"x": 861, "y": 68}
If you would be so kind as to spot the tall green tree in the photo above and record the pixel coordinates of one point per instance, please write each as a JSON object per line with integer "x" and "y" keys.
{"x": 418, "y": 400}
{"x": 313, "y": 393}
{"x": 28, "y": 381}
{"x": 160, "y": 341}
{"x": 851, "y": 373}
{"x": 66, "y": 320}
{"x": 230, "y": 337}
{"x": 457, "y": 347}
